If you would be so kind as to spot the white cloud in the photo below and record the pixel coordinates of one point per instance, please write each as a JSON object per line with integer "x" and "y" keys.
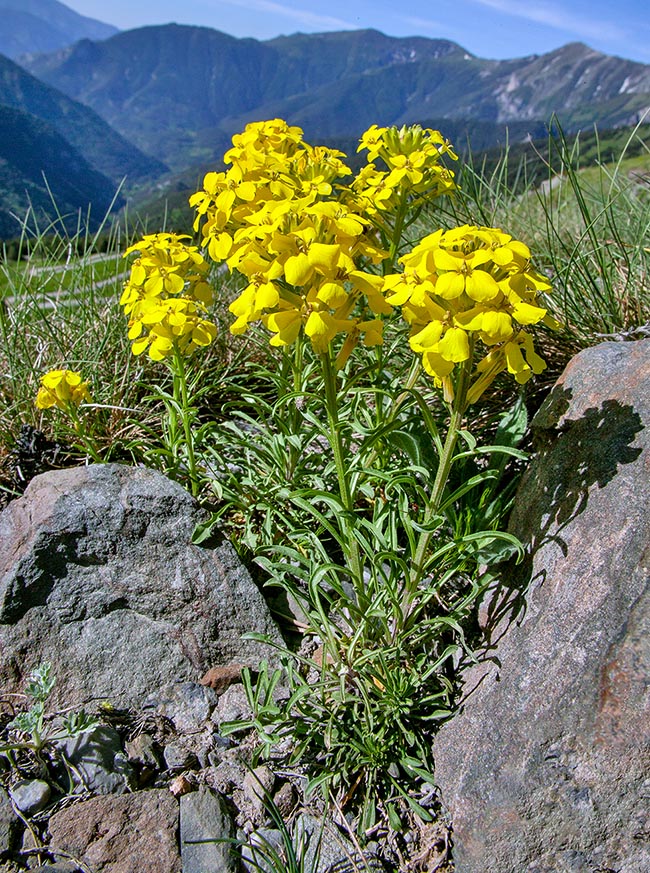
{"x": 301, "y": 16}
{"x": 553, "y": 16}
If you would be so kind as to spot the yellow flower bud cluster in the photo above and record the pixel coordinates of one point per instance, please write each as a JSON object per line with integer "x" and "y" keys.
{"x": 411, "y": 156}
{"x": 62, "y": 388}
{"x": 166, "y": 297}
{"x": 467, "y": 283}
{"x": 269, "y": 218}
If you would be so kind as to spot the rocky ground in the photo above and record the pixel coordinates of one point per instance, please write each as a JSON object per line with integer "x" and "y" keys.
{"x": 544, "y": 769}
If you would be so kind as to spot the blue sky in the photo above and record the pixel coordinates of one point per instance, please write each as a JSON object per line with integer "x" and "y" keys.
{"x": 487, "y": 28}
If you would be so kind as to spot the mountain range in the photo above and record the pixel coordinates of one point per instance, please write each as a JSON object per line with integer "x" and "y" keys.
{"x": 179, "y": 92}
{"x": 39, "y": 168}
{"x": 140, "y": 102}
{"x": 43, "y": 26}
{"x": 42, "y": 131}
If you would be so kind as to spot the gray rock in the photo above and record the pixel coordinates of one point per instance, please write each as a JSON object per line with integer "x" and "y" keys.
{"x": 99, "y": 577}
{"x": 187, "y": 705}
{"x": 10, "y": 825}
{"x": 285, "y": 800}
{"x": 99, "y": 764}
{"x": 143, "y": 751}
{"x": 179, "y": 757}
{"x": 121, "y": 834}
{"x": 546, "y": 769}
{"x": 233, "y": 705}
{"x": 30, "y": 795}
{"x": 323, "y": 847}
{"x": 257, "y": 786}
{"x": 204, "y": 817}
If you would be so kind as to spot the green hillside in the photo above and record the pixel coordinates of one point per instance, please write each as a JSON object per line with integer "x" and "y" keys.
{"x": 34, "y": 157}
{"x": 102, "y": 147}
{"x": 179, "y": 92}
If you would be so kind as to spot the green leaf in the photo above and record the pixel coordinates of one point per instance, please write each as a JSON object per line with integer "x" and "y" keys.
{"x": 393, "y": 817}
{"x": 469, "y": 439}
{"x": 407, "y": 443}
{"x": 40, "y": 683}
{"x": 204, "y": 531}
{"x": 513, "y": 425}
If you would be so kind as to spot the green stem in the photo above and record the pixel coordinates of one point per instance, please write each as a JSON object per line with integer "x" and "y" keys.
{"x": 439, "y": 486}
{"x": 389, "y": 264}
{"x": 352, "y": 546}
{"x": 295, "y": 415}
{"x": 180, "y": 382}
{"x": 379, "y": 399}
{"x": 86, "y": 442}
{"x": 412, "y": 378}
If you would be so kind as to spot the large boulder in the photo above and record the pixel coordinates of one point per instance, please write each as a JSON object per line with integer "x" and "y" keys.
{"x": 547, "y": 768}
{"x": 120, "y": 834}
{"x": 99, "y": 577}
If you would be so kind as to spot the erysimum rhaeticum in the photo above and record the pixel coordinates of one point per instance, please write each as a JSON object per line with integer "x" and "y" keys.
{"x": 62, "y": 388}
{"x": 465, "y": 284}
{"x": 166, "y": 297}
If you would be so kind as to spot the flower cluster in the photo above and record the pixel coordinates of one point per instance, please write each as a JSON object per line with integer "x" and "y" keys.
{"x": 62, "y": 388}
{"x": 466, "y": 283}
{"x": 166, "y": 297}
{"x": 411, "y": 156}
{"x": 269, "y": 218}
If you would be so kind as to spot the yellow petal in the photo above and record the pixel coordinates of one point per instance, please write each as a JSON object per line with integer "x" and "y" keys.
{"x": 297, "y": 269}
{"x": 140, "y": 345}
{"x": 320, "y": 329}
{"x": 444, "y": 260}
{"x": 436, "y": 365}
{"x": 332, "y": 294}
{"x": 497, "y": 326}
{"x": 450, "y": 285}
{"x": 267, "y": 296}
{"x": 427, "y": 338}
{"x": 454, "y": 346}
{"x": 515, "y": 359}
{"x": 138, "y": 274}
{"x": 324, "y": 257}
{"x": 219, "y": 247}
{"x": 527, "y": 314}
{"x": 481, "y": 286}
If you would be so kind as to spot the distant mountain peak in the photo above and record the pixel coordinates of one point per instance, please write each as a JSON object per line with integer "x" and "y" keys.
{"x": 180, "y": 92}
{"x": 32, "y": 26}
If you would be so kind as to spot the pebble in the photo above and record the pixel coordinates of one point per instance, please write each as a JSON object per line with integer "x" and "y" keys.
{"x": 30, "y": 795}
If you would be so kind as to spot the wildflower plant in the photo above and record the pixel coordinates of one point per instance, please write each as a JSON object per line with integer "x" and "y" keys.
{"x": 166, "y": 299}
{"x": 66, "y": 390}
{"x": 348, "y": 474}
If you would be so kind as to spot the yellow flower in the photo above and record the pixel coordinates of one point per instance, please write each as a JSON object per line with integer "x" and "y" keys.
{"x": 62, "y": 388}
{"x": 166, "y": 266}
{"x": 164, "y": 326}
{"x": 411, "y": 155}
{"x": 465, "y": 283}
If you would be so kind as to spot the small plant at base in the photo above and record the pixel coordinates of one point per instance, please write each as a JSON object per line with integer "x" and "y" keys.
{"x": 34, "y": 725}
{"x": 66, "y": 390}
{"x": 288, "y": 854}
